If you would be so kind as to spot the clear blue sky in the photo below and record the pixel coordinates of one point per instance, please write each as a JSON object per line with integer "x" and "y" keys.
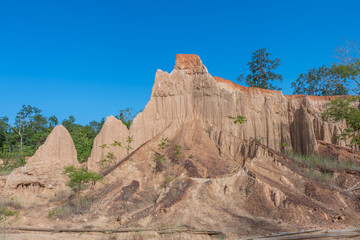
{"x": 92, "y": 58}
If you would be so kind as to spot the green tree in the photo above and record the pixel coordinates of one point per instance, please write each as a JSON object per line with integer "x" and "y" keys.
{"x": 79, "y": 178}
{"x": 83, "y": 137}
{"x": 26, "y": 119}
{"x": 348, "y": 66}
{"x": 96, "y": 126}
{"x": 262, "y": 71}
{"x": 344, "y": 109}
{"x": 4, "y": 128}
{"x": 126, "y": 116}
{"x": 322, "y": 81}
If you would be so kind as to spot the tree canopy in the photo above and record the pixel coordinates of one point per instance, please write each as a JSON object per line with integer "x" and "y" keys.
{"x": 345, "y": 109}
{"x": 322, "y": 81}
{"x": 262, "y": 70}
{"x": 348, "y": 66}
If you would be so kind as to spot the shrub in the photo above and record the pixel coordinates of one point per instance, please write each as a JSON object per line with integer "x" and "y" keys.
{"x": 79, "y": 178}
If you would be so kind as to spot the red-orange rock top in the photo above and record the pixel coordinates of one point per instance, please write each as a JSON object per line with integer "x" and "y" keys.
{"x": 242, "y": 88}
{"x": 317, "y": 98}
{"x": 261, "y": 90}
{"x": 191, "y": 63}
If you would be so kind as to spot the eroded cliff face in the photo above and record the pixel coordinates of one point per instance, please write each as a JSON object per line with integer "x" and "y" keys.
{"x": 189, "y": 92}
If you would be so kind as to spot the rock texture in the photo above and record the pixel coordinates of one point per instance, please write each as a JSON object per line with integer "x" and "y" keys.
{"x": 44, "y": 170}
{"x": 189, "y": 92}
{"x": 112, "y": 130}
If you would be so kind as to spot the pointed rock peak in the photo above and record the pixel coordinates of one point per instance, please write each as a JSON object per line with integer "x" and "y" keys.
{"x": 58, "y": 147}
{"x": 61, "y": 130}
{"x": 112, "y": 121}
{"x": 190, "y": 63}
{"x": 111, "y": 118}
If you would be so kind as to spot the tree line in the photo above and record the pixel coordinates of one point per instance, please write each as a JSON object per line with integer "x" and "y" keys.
{"x": 30, "y": 129}
{"x": 336, "y": 79}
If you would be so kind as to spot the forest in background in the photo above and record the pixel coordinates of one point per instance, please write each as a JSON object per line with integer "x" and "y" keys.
{"x": 31, "y": 128}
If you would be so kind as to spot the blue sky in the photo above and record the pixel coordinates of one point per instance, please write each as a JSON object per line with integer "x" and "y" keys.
{"x": 92, "y": 58}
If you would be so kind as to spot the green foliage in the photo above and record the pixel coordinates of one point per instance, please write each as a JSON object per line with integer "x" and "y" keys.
{"x": 349, "y": 65}
{"x": 320, "y": 168}
{"x": 161, "y": 158}
{"x": 10, "y": 164}
{"x": 126, "y": 116}
{"x": 322, "y": 81}
{"x": 129, "y": 140}
{"x": 4, "y": 213}
{"x": 323, "y": 163}
{"x": 239, "y": 119}
{"x": 164, "y": 142}
{"x": 283, "y": 144}
{"x": 17, "y": 141}
{"x": 110, "y": 158}
{"x": 69, "y": 208}
{"x": 177, "y": 153}
{"x": 343, "y": 109}
{"x": 79, "y": 178}
{"x": 262, "y": 71}
{"x": 166, "y": 182}
{"x": 116, "y": 144}
{"x": 83, "y": 136}
{"x": 349, "y": 71}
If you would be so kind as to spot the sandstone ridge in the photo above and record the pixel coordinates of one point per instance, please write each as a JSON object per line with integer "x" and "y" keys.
{"x": 189, "y": 92}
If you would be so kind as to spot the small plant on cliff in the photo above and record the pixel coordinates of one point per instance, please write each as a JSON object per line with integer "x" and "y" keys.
{"x": 239, "y": 119}
{"x": 161, "y": 157}
{"x": 164, "y": 142}
{"x": 177, "y": 153}
{"x": 166, "y": 182}
{"x": 110, "y": 158}
{"x": 283, "y": 145}
{"x": 79, "y": 178}
{"x": 104, "y": 146}
{"x": 129, "y": 140}
{"x": 4, "y": 213}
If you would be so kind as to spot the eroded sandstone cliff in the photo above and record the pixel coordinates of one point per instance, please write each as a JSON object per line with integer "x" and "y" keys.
{"x": 189, "y": 92}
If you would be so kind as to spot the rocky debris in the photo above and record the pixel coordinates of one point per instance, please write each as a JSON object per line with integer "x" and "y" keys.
{"x": 2, "y": 182}
{"x": 112, "y": 130}
{"x": 44, "y": 169}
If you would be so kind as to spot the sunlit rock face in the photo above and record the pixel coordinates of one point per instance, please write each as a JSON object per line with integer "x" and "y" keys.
{"x": 105, "y": 143}
{"x": 43, "y": 172}
{"x": 189, "y": 92}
